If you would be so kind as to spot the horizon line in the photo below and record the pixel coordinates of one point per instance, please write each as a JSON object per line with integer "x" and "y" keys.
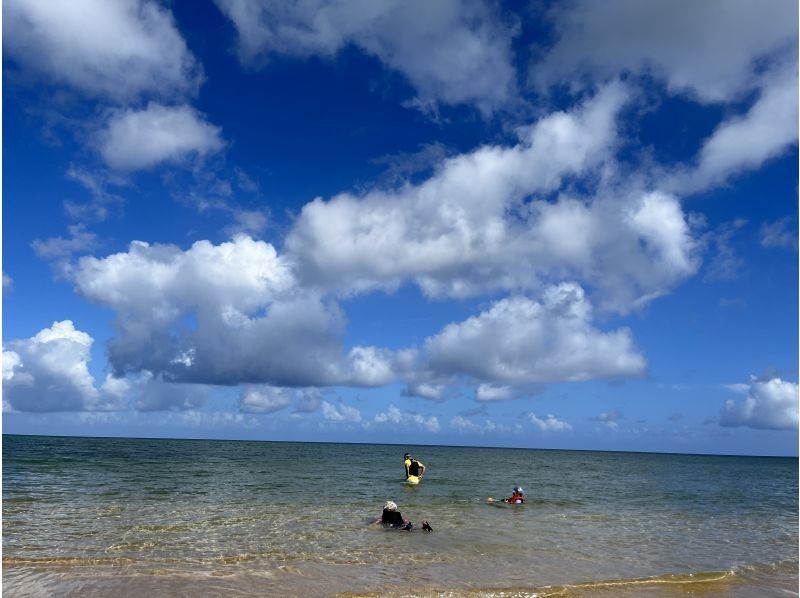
{"x": 516, "y": 448}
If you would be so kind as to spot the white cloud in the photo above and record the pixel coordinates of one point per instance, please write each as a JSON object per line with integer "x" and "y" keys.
{"x": 492, "y": 392}
{"x": 464, "y": 425}
{"x": 394, "y": 416}
{"x": 745, "y": 142}
{"x": 61, "y": 249}
{"x": 609, "y": 418}
{"x": 223, "y": 314}
{"x": 550, "y": 423}
{"x": 708, "y": 50}
{"x": 769, "y": 405}
{"x": 119, "y": 50}
{"x": 8, "y": 283}
{"x": 340, "y": 413}
{"x": 137, "y": 139}
{"x": 263, "y": 399}
{"x": 216, "y": 419}
{"x": 477, "y": 224}
{"x": 520, "y": 341}
{"x": 251, "y": 222}
{"x": 779, "y": 233}
{"x": 425, "y": 390}
{"x": 451, "y": 51}
{"x": 49, "y": 372}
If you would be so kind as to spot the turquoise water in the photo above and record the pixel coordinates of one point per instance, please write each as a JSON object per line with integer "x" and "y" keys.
{"x": 92, "y": 517}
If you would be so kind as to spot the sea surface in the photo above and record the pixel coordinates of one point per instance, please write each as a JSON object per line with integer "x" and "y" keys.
{"x": 136, "y": 517}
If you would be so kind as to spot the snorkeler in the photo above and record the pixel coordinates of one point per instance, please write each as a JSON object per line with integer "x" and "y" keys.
{"x": 413, "y": 467}
{"x": 517, "y": 497}
{"x": 392, "y": 517}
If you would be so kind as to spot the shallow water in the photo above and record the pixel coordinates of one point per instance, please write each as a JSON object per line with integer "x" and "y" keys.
{"x": 176, "y": 517}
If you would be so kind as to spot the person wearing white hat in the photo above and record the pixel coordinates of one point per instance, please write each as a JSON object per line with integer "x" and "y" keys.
{"x": 391, "y": 516}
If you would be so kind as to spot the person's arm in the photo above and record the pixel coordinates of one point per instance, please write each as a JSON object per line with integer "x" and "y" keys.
{"x": 421, "y": 469}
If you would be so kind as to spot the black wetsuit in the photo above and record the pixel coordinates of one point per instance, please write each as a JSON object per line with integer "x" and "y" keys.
{"x": 393, "y": 518}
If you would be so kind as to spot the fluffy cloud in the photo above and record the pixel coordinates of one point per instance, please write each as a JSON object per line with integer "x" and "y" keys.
{"x": 223, "y": 314}
{"x": 119, "y": 50}
{"x": 49, "y": 372}
{"x": 340, "y": 413}
{"x": 708, "y": 50}
{"x": 451, "y": 51}
{"x": 394, "y": 416}
{"x": 550, "y": 423}
{"x": 473, "y": 227}
{"x": 769, "y": 405}
{"x": 137, "y": 139}
{"x": 519, "y": 341}
{"x": 264, "y": 399}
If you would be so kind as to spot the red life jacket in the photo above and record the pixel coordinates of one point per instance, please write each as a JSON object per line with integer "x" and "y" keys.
{"x": 516, "y": 499}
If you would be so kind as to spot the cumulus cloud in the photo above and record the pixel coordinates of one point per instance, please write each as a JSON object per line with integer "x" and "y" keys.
{"x": 340, "y": 413}
{"x": 223, "y": 314}
{"x": 393, "y": 415}
{"x": 264, "y": 399}
{"x": 118, "y": 50}
{"x": 769, "y": 405}
{"x": 550, "y": 423}
{"x": 473, "y": 228}
{"x": 137, "y": 139}
{"x": 708, "y": 50}
{"x": 519, "y": 341}
{"x": 50, "y": 372}
{"x": 450, "y": 51}
{"x": 710, "y": 53}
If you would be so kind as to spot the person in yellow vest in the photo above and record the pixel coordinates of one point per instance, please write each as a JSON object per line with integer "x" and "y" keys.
{"x": 413, "y": 467}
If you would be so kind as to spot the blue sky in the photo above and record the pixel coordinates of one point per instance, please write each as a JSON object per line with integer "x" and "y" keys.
{"x": 531, "y": 224}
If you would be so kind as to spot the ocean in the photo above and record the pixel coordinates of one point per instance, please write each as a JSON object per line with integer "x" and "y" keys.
{"x": 139, "y": 517}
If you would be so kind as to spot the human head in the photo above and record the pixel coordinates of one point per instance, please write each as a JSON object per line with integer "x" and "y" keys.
{"x": 390, "y": 506}
{"x": 407, "y": 456}
{"x": 518, "y": 490}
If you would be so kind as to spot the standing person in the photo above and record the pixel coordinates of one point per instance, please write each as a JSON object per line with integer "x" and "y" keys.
{"x": 414, "y": 468}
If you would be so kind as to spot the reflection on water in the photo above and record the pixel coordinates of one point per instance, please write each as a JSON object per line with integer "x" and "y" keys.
{"x": 102, "y": 516}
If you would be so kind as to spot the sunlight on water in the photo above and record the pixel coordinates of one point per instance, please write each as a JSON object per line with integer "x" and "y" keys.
{"x": 101, "y": 516}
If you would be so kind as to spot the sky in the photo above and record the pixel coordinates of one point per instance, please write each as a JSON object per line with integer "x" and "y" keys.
{"x": 567, "y": 225}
